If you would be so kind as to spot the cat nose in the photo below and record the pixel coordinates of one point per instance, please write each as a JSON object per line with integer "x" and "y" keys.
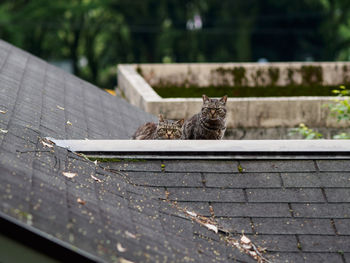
{"x": 212, "y": 112}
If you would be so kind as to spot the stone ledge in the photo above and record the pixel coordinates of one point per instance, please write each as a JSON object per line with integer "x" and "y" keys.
{"x": 242, "y": 112}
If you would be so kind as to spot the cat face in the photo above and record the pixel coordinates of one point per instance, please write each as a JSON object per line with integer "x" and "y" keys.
{"x": 214, "y": 109}
{"x": 169, "y": 129}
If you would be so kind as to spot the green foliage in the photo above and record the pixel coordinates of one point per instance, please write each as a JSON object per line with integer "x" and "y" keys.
{"x": 191, "y": 91}
{"x": 290, "y": 77}
{"x": 311, "y": 75}
{"x": 237, "y": 73}
{"x": 341, "y": 136}
{"x": 340, "y": 109}
{"x": 274, "y": 74}
{"x": 306, "y": 132}
{"x": 96, "y": 35}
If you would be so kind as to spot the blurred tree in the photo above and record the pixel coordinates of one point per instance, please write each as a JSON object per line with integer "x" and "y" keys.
{"x": 96, "y": 35}
{"x": 335, "y": 28}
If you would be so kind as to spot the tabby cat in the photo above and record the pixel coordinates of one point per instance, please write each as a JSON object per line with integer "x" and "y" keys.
{"x": 164, "y": 130}
{"x": 210, "y": 123}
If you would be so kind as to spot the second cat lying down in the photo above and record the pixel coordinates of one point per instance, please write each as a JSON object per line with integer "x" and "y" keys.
{"x": 163, "y": 130}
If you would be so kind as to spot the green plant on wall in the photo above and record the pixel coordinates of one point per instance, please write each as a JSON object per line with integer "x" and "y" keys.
{"x": 258, "y": 77}
{"x": 311, "y": 75}
{"x": 239, "y": 77}
{"x": 340, "y": 109}
{"x": 274, "y": 74}
{"x": 306, "y": 132}
{"x": 237, "y": 73}
{"x": 290, "y": 76}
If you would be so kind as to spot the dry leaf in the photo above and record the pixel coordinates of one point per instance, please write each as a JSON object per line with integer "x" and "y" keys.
{"x": 211, "y": 210}
{"x": 212, "y": 227}
{"x": 69, "y": 175}
{"x": 96, "y": 179}
{"x": 47, "y": 144}
{"x": 245, "y": 240}
{"x": 95, "y": 162}
{"x": 131, "y": 235}
{"x": 59, "y": 107}
{"x": 246, "y": 247}
{"x": 69, "y": 123}
{"x": 191, "y": 213}
{"x": 3, "y": 111}
{"x": 253, "y": 253}
{"x": 123, "y": 260}
{"x": 80, "y": 201}
{"x": 3, "y": 131}
{"x": 121, "y": 248}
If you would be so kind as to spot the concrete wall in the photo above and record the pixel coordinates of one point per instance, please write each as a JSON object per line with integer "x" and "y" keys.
{"x": 243, "y": 113}
{"x": 255, "y": 74}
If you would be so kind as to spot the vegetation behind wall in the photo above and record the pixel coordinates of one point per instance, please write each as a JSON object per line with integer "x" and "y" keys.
{"x": 95, "y": 36}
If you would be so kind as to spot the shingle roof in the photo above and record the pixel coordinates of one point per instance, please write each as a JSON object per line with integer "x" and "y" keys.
{"x": 142, "y": 210}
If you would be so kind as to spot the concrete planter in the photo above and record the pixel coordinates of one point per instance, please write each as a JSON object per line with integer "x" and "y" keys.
{"x": 243, "y": 113}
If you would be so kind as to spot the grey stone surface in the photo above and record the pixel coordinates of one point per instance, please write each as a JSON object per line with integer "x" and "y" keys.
{"x": 301, "y": 180}
{"x": 134, "y": 165}
{"x": 338, "y": 195}
{"x": 299, "y": 195}
{"x": 206, "y": 194}
{"x": 347, "y": 257}
{"x": 200, "y": 166}
{"x": 278, "y": 166}
{"x": 166, "y": 179}
{"x": 330, "y": 179}
{"x": 242, "y": 180}
{"x": 306, "y": 257}
{"x": 293, "y": 226}
{"x": 334, "y": 165}
{"x": 323, "y": 257}
{"x": 234, "y": 255}
{"x": 325, "y": 244}
{"x": 342, "y": 226}
{"x": 341, "y": 210}
{"x": 251, "y": 209}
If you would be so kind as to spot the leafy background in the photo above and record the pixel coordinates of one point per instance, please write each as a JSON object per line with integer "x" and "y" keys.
{"x": 94, "y": 36}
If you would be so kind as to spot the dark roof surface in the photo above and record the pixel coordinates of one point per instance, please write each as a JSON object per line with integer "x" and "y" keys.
{"x": 143, "y": 210}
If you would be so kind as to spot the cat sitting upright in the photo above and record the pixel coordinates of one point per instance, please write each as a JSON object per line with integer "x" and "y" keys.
{"x": 210, "y": 123}
{"x": 164, "y": 130}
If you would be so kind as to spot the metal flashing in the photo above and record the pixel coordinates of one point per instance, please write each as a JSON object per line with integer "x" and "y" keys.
{"x": 211, "y": 149}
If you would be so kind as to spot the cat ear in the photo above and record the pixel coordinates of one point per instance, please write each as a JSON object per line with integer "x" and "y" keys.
{"x": 160, "y": 118}
{"x": 180, "y": 122}
{"x": 205, "y": 98}
{"x": 224, "y": 99}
